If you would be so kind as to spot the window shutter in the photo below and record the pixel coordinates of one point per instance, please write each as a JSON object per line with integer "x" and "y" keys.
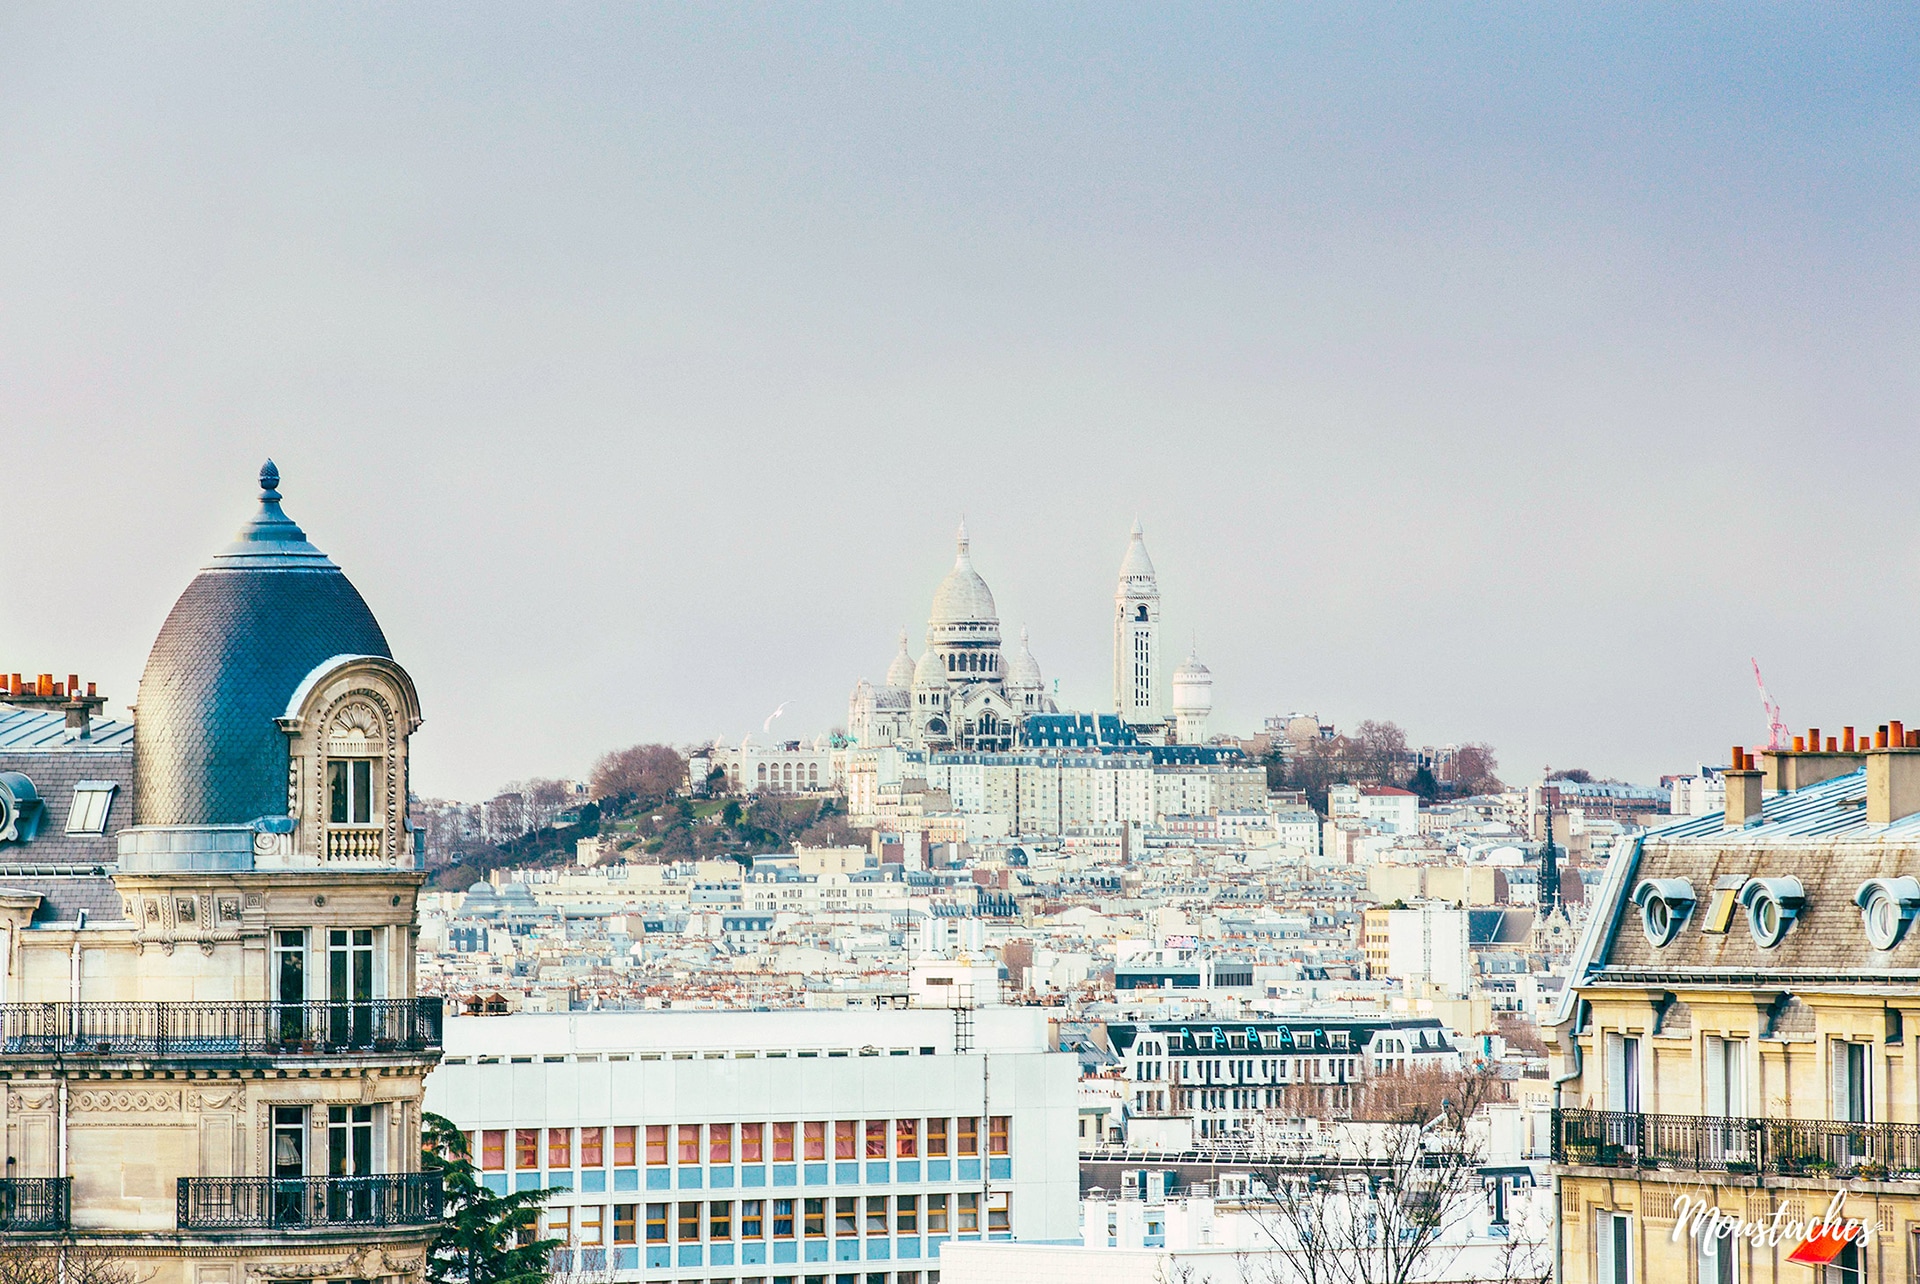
{"x": 1616, "y": 1082}
{"x": 1716, "y": 1049}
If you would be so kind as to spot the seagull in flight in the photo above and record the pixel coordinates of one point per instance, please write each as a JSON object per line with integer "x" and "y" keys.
{"x": 768, "y": 724}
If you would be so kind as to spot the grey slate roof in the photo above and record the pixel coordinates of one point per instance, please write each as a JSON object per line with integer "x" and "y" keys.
{"x": 62, "y": 897}
{"x": 263, "y": 614}
{"x": 35, "y": 743}
{"x": 1819, "y": 835}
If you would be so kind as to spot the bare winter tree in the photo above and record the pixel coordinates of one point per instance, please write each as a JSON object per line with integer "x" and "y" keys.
{"x": 1472, "y": 770}
{"x": 1392, "y": 1200}
{"x": 1379, "y": 754}
{"x": 645, "y": 773}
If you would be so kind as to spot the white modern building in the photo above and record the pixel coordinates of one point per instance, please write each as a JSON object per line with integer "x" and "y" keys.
{"x": 1432, "y": 942}
{"x": 1395, "y": 810}
{"x": 797, "y": 1147}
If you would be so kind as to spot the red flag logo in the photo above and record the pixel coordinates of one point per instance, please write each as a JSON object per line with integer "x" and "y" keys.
{"x": 1821, "y": 1247}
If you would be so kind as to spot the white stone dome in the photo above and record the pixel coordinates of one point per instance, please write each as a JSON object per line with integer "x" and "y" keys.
{"x": 930, "y": 672}
{"x": 900, "y": 672}
{"x": 963, "y": 597}
{"x": 1022, "y": 669}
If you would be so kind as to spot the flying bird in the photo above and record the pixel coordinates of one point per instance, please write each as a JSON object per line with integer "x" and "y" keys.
{"x": 768, "y": 724}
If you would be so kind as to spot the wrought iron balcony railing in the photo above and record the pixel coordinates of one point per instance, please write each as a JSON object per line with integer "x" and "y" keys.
{"x": 240, "y": 1203}
{"x": 35, "y": 1204}
{"x": 219, "y": 1029}
{"x": 1710, "y": 1143}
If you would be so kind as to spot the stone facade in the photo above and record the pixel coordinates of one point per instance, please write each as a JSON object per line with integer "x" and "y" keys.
{"x": 212, "y": 1051}
{"x": 1740, "y": 1034}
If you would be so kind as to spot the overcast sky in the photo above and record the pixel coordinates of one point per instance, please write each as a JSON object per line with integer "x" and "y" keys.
{"x": 1512, "y": 373}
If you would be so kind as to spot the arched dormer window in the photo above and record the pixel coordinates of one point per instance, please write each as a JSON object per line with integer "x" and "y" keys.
{"x": 347, "y": 724}
{"x": 355, "y": 747}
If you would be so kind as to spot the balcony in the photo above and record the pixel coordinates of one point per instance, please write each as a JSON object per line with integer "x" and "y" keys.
{"x": 360, "y": 844}
{"x": 254, "y": 1203}
{"x": 1709, "y": 1143}
{"x": 30, "y": 1204}
{"x": 69, "y": 1030}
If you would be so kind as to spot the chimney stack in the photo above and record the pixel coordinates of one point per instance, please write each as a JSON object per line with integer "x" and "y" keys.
{"x": 1893, "y": 776}
{"x": 1744, "y": 787}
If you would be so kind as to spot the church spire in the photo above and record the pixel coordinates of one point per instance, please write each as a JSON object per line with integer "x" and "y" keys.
{"x": 1549, "y": 894}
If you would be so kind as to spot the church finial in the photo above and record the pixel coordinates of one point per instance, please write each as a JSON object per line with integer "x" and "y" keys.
{"x": 269, "y": 481}
{"x": 960, "y": 538}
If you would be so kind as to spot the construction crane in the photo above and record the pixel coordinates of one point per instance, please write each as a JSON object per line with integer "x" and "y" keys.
{"x": 1777, "y": 737}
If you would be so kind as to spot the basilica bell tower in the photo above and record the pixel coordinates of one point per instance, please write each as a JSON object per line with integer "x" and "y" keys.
{"x": 1136, "y": 637}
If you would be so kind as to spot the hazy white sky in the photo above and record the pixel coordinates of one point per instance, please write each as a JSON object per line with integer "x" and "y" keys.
{"x": 1513, "y": 373}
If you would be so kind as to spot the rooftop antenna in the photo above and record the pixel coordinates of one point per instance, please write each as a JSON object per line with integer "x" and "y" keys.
{"x": 1777, "y": 734}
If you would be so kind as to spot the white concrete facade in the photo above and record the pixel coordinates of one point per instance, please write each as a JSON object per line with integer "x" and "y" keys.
{"x": 813, "y": 1147}
{"x": 1430, "y": 941}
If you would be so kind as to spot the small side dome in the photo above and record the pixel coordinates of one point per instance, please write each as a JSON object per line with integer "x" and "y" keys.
{"x": 1192, "y": 668}
{"x": 1022, "y": 669}
{"x": 929, "y": 672}
{"x": 900, "y": 672}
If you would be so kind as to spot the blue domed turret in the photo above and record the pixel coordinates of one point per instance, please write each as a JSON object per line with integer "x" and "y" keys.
{"x": 258, "y": 619}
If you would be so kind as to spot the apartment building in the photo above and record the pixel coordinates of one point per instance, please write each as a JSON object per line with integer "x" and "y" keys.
{"x": 1734, "y": 1036}
{"x": 816, "y": 1147}
{"x": 1225, "y": 1076}
{"x": 209, "y": 1032}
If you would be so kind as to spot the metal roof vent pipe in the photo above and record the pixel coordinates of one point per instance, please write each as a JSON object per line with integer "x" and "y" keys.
{"x": 1744, "y": 788}
{"x": 1893, "y": 775}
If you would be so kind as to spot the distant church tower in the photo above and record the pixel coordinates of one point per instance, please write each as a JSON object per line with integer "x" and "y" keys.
{"x": 1136, "y": 637}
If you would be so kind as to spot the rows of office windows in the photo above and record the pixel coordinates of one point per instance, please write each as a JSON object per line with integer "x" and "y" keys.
{"x": 816, "y": 1140}
{"x": 734, "y": 1220}
{"x": 737, "y": 1054}
{"x": 590, "y": 1262}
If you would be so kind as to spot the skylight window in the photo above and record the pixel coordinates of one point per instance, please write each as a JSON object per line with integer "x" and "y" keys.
{"x": 92, "y": 799}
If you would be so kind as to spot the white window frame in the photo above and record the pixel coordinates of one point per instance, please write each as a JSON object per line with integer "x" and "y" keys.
{"x": 1614, "y": 1249}
{"x": 92, "y": 805}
